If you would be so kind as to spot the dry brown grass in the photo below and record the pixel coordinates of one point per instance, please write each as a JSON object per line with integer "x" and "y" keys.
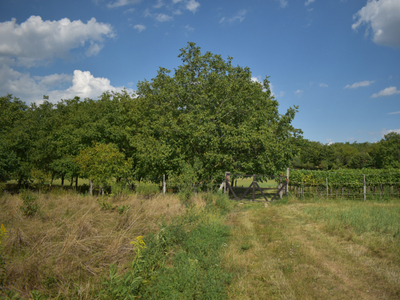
{"x": 68, "y": 246}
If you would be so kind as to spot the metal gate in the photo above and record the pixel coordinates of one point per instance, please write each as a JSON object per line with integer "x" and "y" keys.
{"x": 254, "y": 187}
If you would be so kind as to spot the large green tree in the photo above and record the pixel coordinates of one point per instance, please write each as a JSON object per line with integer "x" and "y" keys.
{"x": 210, "y": 115}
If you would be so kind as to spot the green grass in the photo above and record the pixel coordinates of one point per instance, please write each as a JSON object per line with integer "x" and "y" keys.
{"x": 360, "y": 217}
{"x": 315, "y": 249}
{"x": 181, "y": 261}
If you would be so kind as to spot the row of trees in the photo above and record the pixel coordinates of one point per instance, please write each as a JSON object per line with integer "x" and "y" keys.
{"x": 384, "y": 154}
{"x": 204, "y": 119}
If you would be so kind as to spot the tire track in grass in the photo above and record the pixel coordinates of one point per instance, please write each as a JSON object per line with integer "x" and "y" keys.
{"x": 276, "y": 253}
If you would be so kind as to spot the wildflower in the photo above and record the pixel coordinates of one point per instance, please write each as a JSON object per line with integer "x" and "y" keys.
{"x": 139, "y": 243}
{"x": 3, "y": 232}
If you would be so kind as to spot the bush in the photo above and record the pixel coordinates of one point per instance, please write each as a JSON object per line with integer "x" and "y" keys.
{"x": 30, "y": 206}
{"x": 146, "y": 188}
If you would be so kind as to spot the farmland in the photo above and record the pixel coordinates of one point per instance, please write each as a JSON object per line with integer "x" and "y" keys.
{"x": 199, "y": 246}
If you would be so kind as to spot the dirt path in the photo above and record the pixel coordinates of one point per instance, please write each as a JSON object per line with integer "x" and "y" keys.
{"x": 275, "y": 253}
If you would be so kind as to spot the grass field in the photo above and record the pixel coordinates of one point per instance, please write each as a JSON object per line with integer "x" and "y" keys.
{"x": 198, "y": 247}
{"x": 315, "y": 250}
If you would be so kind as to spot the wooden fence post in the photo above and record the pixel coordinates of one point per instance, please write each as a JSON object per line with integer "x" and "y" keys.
{"x": 364, "y": 189}
{"x": 287, "y": 178}
{"x": 164, "y": 185}
{"x": 254, "y": 187}
{"x": 227, "y": 180}
{"x": 327, "y": 190}
{"x": 279, "y": 187}
{"x": 90, "y": 187}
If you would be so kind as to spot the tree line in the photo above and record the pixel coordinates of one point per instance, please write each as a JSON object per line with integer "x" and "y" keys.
{"x": 384, "y": 154}
{"x": 205, "y": 118}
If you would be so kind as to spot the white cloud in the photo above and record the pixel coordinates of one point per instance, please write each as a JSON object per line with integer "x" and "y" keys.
{"x": 299, "y": 93}
{"x": 163, "y": 18}
{"x": 394, "y": 113}
{"x": 139, "y": 27}
{"x": 158, "y": 17}
{"x": 176, "y": 1}
{"x": 239, "y": 17}
{"x": 283, "y": 3}
{"x": 358, "y": 84}
{"x": 119, "y": 3}
{"x": 383, "y": 16}
{"x": 192, "y": 5}
{"x": 308, "y": 2}
{"x": 187, "y": 27}
{"x": 323, "y": 85}
{"x": 57, "y": 86}
{"x": 159, "y": 4}
{"x": 386, "y": 92}
{"x": 35, "y": 40}
{"x": 385, "y": 132}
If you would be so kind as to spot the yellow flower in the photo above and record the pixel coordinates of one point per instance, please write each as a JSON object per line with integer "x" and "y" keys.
{"x": 138, "y": 242}
{"x": 3, "y": 232}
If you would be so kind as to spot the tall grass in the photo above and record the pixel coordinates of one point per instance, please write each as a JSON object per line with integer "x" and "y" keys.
{"x": 360, "y": 217}
{"x": 79, "y": 246}
{"x": 179, "y": 261}
{"x": 65, "y": 249}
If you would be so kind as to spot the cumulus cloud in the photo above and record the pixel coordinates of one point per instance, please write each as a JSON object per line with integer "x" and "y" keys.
{"x": 192, "y": 5}
{"x": 57, "y": 86}
{"x": 359, "y": 84}
{"x": 383, "y": 17}
{"x": 386, "y": 92}
{"x": 35, "y": 40}
{"x": 308, "y": 2}
{"x": 139, "y": 27}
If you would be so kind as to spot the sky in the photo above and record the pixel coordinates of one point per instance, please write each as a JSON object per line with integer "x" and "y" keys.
{"x": 338, "y": 60}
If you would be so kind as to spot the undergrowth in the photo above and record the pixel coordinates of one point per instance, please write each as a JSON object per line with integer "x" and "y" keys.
{"x": 78, "y": 246}
{"x": 180, "y": 261}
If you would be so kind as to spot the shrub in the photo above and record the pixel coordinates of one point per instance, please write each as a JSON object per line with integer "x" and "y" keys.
{"x": 146, "y": 188}
{"x": 30, "y": 206}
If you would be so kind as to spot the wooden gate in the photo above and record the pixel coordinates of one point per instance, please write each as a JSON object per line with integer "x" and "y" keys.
{"x": 254, "y": 186}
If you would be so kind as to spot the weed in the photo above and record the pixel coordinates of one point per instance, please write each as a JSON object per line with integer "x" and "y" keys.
{"x": 3, "y": 270}
{"x": 108, "y": 206}
{"x": 104, "y": 205}
{"x": 246, "y": 247}
{"x": 30, "y": 207}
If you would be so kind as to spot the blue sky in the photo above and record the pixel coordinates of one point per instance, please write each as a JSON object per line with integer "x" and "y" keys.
{"x": 338, "y": 60}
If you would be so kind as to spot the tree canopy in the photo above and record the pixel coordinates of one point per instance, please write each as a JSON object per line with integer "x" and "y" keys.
{"x": 213, "y": 116}
{"x": 207, "y": 116}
